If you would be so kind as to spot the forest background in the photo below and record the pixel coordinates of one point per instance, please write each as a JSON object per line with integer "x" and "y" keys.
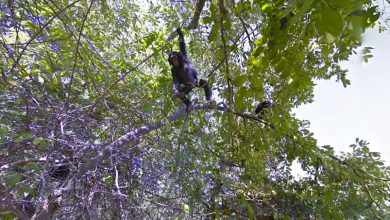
{"x": 90, "y": 128}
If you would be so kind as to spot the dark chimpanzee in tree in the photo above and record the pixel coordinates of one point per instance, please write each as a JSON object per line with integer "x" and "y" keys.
{"x": 261, "y": 108}
{"x": 184, "y": 74}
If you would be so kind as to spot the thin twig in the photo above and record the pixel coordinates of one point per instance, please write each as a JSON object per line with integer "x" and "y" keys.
{"x": 39, "y": 32}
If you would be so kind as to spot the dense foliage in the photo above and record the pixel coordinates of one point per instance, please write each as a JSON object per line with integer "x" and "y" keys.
{"x": 89, "y": 127}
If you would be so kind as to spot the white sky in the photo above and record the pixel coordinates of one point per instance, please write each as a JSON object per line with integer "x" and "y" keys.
{"x": 339, "y": 115}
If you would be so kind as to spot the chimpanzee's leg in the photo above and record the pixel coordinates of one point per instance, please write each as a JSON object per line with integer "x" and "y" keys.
{"x": 185, "y": 90}
{"x": 207, "y": 91}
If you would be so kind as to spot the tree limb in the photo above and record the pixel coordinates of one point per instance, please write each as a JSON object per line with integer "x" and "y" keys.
{"x": 51, "y": 205}
{"x": 142, "y": 130}
{"x": 23, "y": 162}
{"x": 55, "y": 15}
{"x": 355, "y": 169}
{"x": 195, "y": 20}
{"x": 6, "y": 204}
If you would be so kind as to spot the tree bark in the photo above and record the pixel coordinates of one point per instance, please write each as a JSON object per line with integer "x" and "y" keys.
{"x": 198, "y": 10}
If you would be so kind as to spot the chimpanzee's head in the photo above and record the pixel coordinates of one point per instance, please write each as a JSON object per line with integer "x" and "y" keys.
{"x": 174, "y": 58}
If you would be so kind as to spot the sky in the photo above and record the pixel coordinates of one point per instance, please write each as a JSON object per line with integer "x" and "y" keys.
{"x": 338, "y": 115}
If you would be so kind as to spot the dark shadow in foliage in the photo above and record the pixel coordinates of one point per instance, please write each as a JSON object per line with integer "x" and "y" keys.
{"x": 27, "y": 206}
{"x": 59, "y": 172}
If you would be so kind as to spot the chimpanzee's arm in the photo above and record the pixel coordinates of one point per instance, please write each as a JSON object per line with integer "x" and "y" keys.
{"x": 182, "y": 44}
{"x": 176, "y": 84}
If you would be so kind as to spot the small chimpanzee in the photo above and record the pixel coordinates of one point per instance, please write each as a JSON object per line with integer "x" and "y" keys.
{"x": 261, "y": 108}
{"x": 184, "y": 75}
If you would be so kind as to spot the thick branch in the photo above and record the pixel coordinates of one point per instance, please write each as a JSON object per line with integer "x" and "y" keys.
{"x": 147, "y": 128}
{"x": 140, "y": 131}
{"x": 51, "y": 204}
{"x": 195, "y": 20}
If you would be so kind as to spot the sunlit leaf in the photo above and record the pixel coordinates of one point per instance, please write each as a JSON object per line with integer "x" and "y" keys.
{"x": 330, "y": 22}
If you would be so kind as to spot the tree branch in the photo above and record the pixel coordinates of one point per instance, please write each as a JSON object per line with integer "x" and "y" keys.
{"x": 56, "y": 14}
{"x": 77, "y": 48}
{"x": 355, "y": 169}
{"x": 23, "y": 162}
{"x": 51, "y": 205}
{"x": 142, "y": 130}
{"x": 195, "y": 20}
{"x": 6, "y": 204}
{"x": 129, "y": 71}
{"x": 149, "y": 127}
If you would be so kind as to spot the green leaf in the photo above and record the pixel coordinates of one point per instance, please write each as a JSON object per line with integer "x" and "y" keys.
{"x": 372, "y": 15}
{"x": 185, "y": 208}
{"x": 25, "y": 188}
{"x": 256, "y": 81}
{"x": 300, "y": 12}
{"x": 258, "y": 41}
{"x": 239, "y": 80}
{"x": 25, "y": 136}
{"x": 339, "y": 3}
{"x": 7, "y": 215}
{"x": 29, "y": 24}
{"x": 265, "y": 6}
{"x": 330, "y": 23}
{"x": 148, "y": 107}
{"x": 109, "y": 179}
{"x": 241, "y": 95}
{"x": 3, "y": 131}
{"x": 41, "y": 142}
{"x": 227, "y": 25}
{"x": 207, "y": 20}
{"x": 12, "y": 180}
{"x": 366, "y": 57}
{"x": 251, "y": 213}
{"x": 31, "y": 166}
{"x": 213, "y": 32}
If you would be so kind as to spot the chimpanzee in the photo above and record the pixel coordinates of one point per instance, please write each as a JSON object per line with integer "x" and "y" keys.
{"x": 261, "y": 108}
{"x": 184, "y": 74}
